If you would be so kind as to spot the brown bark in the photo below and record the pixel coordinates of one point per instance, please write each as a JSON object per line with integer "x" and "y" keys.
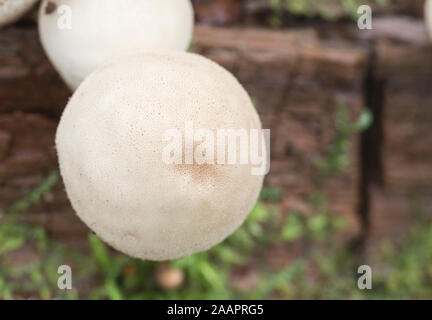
{"x": 406, "y": 190}
{"x": 297, "y": 82}
{"x": 28, "y": 82}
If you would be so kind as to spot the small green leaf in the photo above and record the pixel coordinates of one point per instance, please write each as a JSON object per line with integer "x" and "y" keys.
{"x": 270, "y": 194}
{"x": 112, "y": 290}
{"x": 258, "y": 214}
{"x": 318, "y": 224}
{"x": 99, "y": 252}
{"x": 364, "y": 121}
{"x": 292, "y": 228}
{"x": 11, "y": 244}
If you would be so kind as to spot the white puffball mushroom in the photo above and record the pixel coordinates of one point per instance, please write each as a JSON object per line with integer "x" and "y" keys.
{"x": 12, "y": 10}
{"x": 81, "y": 35}
{"x": 428, "y": 15}
{"x": 111, "y": 142}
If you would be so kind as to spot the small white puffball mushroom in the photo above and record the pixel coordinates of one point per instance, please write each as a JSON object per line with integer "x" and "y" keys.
{"x": 428, "y": 15}
{"x": 111, "y": 142}
{"x": 12, "y": 10}
{"x": 81, "y": 35}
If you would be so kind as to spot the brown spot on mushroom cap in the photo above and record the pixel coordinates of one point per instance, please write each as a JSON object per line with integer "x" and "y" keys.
{"x": 50, "y": 7}
{"x": 200, "y": 173}
{"x": 206, "y": 173}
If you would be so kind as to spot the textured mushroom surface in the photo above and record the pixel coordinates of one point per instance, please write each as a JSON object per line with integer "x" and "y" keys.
{"x": 12, "y": 10}
{"x": 111, "y": 141}
{"x": 81, "y": 35}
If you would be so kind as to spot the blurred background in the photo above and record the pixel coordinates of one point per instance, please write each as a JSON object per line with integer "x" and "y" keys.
{"x": 350, "y": 113}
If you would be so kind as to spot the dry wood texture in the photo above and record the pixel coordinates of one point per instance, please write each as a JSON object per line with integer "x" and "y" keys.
{"x": 406, "y": 189}
{"x": 297, "y": 83}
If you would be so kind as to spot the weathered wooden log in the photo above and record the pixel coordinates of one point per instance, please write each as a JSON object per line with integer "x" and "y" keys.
{"x": 401, "y": 28}
{"x": 406, "y": 189}
{"x": 297, "y": 83}
{"x": 218, "y": 12}
{"x": 407, "y": 115}
{"x": 27, "y": 154}
{"x": 28, "y": 82}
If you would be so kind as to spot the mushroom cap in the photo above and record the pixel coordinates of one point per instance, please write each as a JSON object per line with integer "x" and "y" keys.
{"x": 428, "y": 14}
{"x": 110, "y": 143}
{"x": 104, "y": 29}
{"x": 12, "y": 10}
